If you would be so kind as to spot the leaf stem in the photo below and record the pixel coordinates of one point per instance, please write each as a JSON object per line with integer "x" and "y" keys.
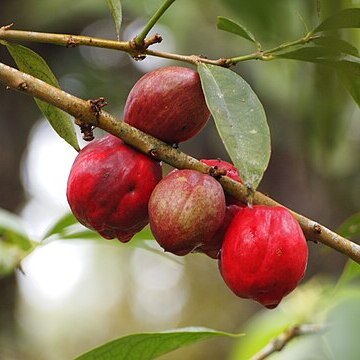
{"x": 267, "y": 54}
{"x": 140, "y": 39}
{"x": 82, "y": 110}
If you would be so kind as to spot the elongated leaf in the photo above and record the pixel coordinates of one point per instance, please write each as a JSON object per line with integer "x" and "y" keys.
{"x": 33, "y": 64}
{"x": 142, "y": 240}
{"x": 240, "y": 120}
{"x": 350, "y": 229}
{"x": 12, "y": 230}
{"x": 63, "y": 223}
{"x": 316, "y": 54}
{"x": 233, "y": 27}
{"x": 337, "y": 44}
{"x": 14, "y": 242}
{"x": 351, "y": 272}
{"x": 347, "y": 18}
{"x": 116, "y": 12}
{"x": 147, "y": 346}
{"x": 67, "y": 228}
{"x": 349, "y": 74}
{"x": 346, "y": 65}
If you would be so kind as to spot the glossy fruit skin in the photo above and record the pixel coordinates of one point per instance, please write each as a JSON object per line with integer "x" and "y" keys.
{"x": 264, "y": 254}
{"x": 213, "y": 246}
{"x": 109, "y": 187}
{"x": 185, "y": 210}
{"x": 231, "y": 171}
{"x": 168, "y": 103}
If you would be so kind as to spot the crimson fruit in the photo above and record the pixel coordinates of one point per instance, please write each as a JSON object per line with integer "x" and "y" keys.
{"x": 213, "y": 245}
{"x": 109, "y": 188}
{"x": 185, "y": 210}
{"x": 168, "y": 103}
{"x": 231, "y": 171}
{"x": 264, "y": 254}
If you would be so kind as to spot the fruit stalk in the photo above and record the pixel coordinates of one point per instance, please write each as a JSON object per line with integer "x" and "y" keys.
{"x": 82, "y": 110}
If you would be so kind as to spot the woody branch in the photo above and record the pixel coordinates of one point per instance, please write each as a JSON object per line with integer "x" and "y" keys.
{"x": 84, "y": 112}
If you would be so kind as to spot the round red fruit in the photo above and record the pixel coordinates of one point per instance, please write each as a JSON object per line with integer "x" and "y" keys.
{"x": 185, "y": 210}
{"x": 109, "y": 187}
{"x": 264, "y": 254}
{"x": 213, "y": 246}
{"x": 231, "y": 171}
{"x": 168, "y": 103}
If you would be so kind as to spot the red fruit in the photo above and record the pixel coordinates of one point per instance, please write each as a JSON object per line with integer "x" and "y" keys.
{"x": 109, "y": 188}
{"x": 231, "y": 171}
{"x": 185, "y": 210}
{"x": 213, "y": 246}
{"x": 264, "y": 254}
{"x": 168, "y": 103}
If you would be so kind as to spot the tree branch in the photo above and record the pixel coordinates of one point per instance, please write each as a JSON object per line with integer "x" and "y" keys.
{"x": 83, "y": 111}
{"x": 283, "y": 339}
{"x": 140, "y": 51}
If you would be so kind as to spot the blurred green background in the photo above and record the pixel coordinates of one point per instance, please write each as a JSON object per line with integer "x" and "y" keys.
{"x": 76, "y": 295}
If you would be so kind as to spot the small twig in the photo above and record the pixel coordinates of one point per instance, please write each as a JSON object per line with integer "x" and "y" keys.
{"x": 7, "y": 27}
{"x": 83, "y": 111}
{"x": 155, "y": 39}
{"x": 283, "y": 339}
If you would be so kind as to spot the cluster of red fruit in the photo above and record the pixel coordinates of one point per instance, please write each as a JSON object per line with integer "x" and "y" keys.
{"x": 116, "y": 191}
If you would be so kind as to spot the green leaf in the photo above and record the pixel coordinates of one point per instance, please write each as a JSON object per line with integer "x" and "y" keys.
{"x": 350, "y": 229}
{"x": 347, "y": 65}
{"x": 240, "y": 120}
{"x": 33, "y": 64}
{"x": 61, "y": 225}
{"x": 347, "y": 18}
{"x": 147, "y": 346}
{"x": 67, "y": 228}
{"x": 316, "y": 54}
{"x": 116, "y": 12}
{"x": 14, "y": 243}
{"x": 233, "y": 27}
{"x": 12, "y": 230}
{"x": 349, "y": 74}
{"x": 343, "y": 328}
{"x": 350, "y": 273}
{"x": 337, "y": 44}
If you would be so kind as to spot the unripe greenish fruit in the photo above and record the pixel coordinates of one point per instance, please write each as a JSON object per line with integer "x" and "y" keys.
{"x": 185, "y": 210}
{"x": 109, "y": 187}
{"x": 168, "y": 103}
{"x": 264, "y": 254}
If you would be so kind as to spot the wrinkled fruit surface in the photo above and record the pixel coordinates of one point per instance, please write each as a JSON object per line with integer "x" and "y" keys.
{"x": 168, "y": 103}
{"x": 185, "y": 210}
{"x": 213, "y": 246}
{"x": 264, "y": 254}
{"x": 109, "y": 187}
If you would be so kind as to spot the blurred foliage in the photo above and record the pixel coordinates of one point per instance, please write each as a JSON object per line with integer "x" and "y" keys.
{"x": 314, "y": 169}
